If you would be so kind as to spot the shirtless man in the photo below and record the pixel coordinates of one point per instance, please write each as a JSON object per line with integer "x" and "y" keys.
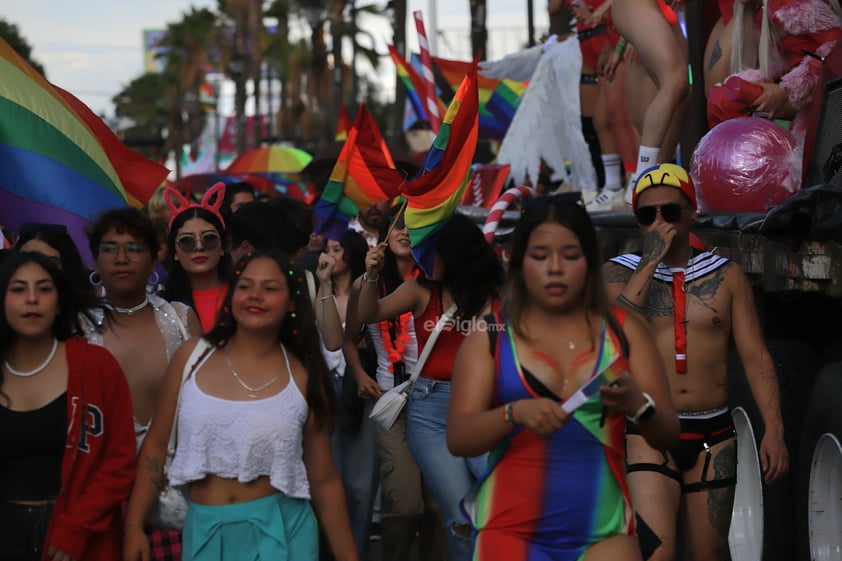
{"x": 142, "y": 331}
{"x": 695, "y": 302}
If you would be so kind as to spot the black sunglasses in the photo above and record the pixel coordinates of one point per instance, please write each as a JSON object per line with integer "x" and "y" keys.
{"x": 399, "y": 222}
{"x": 187, "y": 243}
{"x": 670, "y": 212}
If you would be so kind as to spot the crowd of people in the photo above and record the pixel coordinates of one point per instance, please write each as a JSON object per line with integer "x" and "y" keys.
{"x": 566, "y": 406}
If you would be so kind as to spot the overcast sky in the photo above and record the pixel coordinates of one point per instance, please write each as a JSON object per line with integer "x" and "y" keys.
{"x": 94, "y": 48}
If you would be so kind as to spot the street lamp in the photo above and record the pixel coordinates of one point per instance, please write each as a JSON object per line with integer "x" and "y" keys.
{"x": 236, "y": 66}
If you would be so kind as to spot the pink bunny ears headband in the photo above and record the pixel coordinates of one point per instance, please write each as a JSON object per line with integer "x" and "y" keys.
{"x": 178, "y": 203}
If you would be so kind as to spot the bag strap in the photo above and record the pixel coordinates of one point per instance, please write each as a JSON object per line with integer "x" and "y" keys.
{"x": 196, "y": 359}
{"x": 311, "y": 286}
{"x": 428, "y": 348}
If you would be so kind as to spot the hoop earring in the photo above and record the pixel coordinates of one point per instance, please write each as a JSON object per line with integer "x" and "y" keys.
{"x": 156, "y": 276}
{"x": 95, "y": 279}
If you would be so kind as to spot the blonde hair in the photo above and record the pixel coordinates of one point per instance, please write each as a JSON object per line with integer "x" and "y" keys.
{"x": 749, "y": 53}
{"x": 157, "y": 205}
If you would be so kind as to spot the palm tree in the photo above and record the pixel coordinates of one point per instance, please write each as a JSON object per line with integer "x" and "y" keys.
{"x": 188, "y": 43}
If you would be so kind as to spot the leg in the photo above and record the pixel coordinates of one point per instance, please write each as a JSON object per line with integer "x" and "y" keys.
{"x": 655, "y": 496}
{"x": 717, "y": 56}
{"x": 449, "y": 477}
{"x": 706, "y": 513}
{"x": 402, "y": 501}
{"x": 642, "y": 23}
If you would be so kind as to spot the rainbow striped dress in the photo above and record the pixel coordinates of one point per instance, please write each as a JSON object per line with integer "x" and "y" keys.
{"x": 550, "y": 497}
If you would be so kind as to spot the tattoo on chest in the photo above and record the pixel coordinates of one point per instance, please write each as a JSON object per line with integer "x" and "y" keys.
{"x": 704, "y": 290}
{"x": 659, "y": 299}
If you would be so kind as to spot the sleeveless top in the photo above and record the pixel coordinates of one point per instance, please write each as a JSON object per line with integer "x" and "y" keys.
{"x": 551, "y": 496}
{"x": 385, "y": 376}
{"x": 242, "y": 440}
{"x": 439, "y": 365}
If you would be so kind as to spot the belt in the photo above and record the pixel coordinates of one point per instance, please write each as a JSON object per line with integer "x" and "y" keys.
{"x": 586, "y": 34}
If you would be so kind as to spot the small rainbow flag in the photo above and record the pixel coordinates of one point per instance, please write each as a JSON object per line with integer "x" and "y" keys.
{"x": 413, "y": 84}
{"x": 364, "y": 174}
{"x": 60, "y": 162}
{"x": 434, "y": 195}
{"x": 343, "y": 124}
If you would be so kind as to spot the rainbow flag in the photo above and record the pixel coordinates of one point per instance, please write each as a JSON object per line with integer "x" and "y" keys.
{"x": 343, "y": 124}
{"x": 60, "y": 162}
{"x": 434, "y": 194}
{"x": 364, "y": 174}
{"x": 413, "y": 84}
{"x": 450, "y": 72}
{"x": 504, "y": 101}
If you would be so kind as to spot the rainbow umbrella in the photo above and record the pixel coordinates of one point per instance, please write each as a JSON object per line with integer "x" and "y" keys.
{"x": 60, "y": 162}
{"x": 270, "y": 159}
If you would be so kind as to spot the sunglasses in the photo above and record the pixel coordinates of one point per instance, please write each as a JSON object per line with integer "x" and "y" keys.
{"x": 670, "y": 213}
{"x": 188, "y": 243}
{"x": 399, "y": 223}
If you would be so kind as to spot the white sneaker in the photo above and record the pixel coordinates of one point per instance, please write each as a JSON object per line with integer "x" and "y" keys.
{"x": 607, "y": 200}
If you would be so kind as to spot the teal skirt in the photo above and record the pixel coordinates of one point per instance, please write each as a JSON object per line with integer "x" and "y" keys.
{"x": 274, "y": 528}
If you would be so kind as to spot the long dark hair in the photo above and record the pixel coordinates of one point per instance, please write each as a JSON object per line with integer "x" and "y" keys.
{"x": 355, "y": 247}
{"x": 392, "y": 278}
{"x": 56, "y": 236}
{"x": 575, "y": 218}
{"x": 71, "y": 300}
{"x": 473, "y": 273}
{"x": 298, "y": 332}
{"x": 177, "y": 287}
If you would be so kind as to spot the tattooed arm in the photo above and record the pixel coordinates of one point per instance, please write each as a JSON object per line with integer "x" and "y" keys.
{"x": 632, "y": 288}
{"x": 760, "y": 373}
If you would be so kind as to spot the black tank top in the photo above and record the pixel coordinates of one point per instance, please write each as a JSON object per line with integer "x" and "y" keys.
{"x": 31, "y": 449}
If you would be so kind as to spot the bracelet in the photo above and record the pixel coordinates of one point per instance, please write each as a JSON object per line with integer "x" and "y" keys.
{"x": 371, "y": 280}
{"x": 620, "y": 48}
{"x": 507, "y": 414}
{"x": 328, "y": 297}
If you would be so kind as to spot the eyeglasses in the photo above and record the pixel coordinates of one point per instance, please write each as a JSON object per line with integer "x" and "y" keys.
{"x": 188, "y": 242}
{"x": 134, "y": 250}
{"x": 670, "y": 213}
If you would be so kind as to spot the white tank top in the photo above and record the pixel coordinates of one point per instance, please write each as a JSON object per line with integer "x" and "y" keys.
{"x": 385, "y": 377}
{"x": 242, "y": 440}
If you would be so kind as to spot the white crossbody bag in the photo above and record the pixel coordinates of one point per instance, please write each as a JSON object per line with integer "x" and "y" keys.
{"x": 389, "y": 406}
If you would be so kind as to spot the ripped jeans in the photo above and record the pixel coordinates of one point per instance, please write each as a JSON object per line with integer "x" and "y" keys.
{"x": 449, "y": 477}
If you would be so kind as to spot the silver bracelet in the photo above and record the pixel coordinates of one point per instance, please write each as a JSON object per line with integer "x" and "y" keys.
{"x": 371, "y": 280}
{"x": 328, "y": 297}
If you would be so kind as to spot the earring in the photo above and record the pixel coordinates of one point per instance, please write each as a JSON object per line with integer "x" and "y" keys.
{"x": 95, "y": 279}
{"x": 156, "y": 276}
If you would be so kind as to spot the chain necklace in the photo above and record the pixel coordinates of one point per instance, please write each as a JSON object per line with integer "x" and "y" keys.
{"x": 37, "y": 369}
{"x": 252, "y": 392}
{"x": 128, "y": 311}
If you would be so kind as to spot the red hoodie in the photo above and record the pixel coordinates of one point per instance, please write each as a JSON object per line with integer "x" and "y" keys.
{"x": 99, "y": 463}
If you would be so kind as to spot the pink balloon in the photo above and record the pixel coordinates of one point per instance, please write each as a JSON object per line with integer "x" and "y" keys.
{"x": 745, "y": 165}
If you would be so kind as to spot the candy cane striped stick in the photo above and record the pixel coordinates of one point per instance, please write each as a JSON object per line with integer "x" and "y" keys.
{"x": 429, "y": 78}
{"x": 496, "y": 213}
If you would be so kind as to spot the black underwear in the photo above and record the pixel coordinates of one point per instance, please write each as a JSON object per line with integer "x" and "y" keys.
{"x": 589, "y": 79}
{"x": 697, "y": 435}
{"x": 590, "y": 32}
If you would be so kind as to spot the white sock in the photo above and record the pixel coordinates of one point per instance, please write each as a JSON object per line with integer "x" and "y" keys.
{"x": 613, "y": 166}
{"x": 647, "y": 157}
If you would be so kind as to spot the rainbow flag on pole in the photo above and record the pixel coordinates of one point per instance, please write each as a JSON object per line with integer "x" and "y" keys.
{"x": 364, "y": 174}
{"x": 414, "y": 85}
{"x": 435, "y": 193}
{"x": 60, "y": 162}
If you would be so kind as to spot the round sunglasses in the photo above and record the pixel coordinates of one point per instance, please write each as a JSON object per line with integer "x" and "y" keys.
{"x": 188, "y": 242}
{"x": 669, "y": 212}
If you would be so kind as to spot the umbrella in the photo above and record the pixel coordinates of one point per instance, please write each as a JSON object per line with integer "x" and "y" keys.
{"x": 270, "y": 159}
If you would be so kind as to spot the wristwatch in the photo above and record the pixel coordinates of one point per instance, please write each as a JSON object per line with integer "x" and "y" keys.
{"x": 645, "y": 412}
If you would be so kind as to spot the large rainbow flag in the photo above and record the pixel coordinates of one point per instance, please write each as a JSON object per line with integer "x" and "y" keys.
{"x": 61, "y": 164}
{"x": 435, "y": 193}
{"x": 364, "y": 174}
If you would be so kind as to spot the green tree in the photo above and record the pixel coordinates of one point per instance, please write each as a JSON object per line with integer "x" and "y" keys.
{"x": 10, "y": 33}
{"x": 141, "y": 101}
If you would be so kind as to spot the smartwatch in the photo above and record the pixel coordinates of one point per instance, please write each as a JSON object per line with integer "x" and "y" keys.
{"x": 645, "y": 412}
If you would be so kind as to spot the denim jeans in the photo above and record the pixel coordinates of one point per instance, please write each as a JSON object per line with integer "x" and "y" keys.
{"x": 357, "y": 461}
{"x": 449, "y": 477}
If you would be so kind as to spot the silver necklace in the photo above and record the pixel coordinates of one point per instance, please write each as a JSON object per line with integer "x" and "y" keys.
{"x": 252, "y": 392}
{"x": 38, "y": 369}
{"x": 128, "y": 311}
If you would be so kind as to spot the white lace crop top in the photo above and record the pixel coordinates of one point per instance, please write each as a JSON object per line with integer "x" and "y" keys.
{"x": 242, "y": 440}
